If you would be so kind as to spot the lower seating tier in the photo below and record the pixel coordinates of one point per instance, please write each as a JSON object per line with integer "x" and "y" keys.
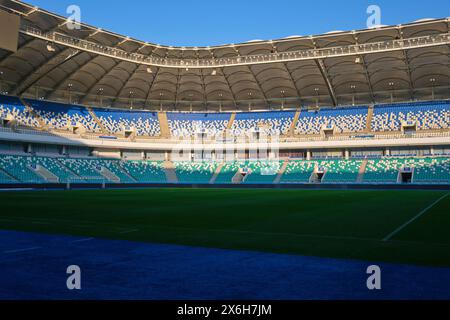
{"x": 391, "y": 170}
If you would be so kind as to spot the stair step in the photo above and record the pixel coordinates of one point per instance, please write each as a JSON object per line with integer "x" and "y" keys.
{"x": 96, "y": 119}
{"x": 281, "y": 172}
{"x": 216, "y": 173}
{"x": 169, "y": 169}
{"x": 164, "y": 125}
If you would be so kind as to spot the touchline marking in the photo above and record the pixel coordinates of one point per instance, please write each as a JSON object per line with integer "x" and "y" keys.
{"x": 82, "y": 240}
{"x": 421, "y": 213}
{"x": 21, "y": 250}
{"x": 129, "y": 231}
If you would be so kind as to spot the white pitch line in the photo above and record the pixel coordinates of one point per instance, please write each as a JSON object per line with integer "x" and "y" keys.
{"x": 21, "y": 250}
{"x": 129, "y": 231}
{"x": 82, "y": 240}
{"x": 421, "y": 213}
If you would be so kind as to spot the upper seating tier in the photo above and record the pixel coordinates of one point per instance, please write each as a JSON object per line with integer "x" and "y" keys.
{"x": 188, "y": 124}
{"x": 271, "y": 122}
{"x": 431, "y": 115}
{"x": 352, "y": 119}
{"x": 61, "y": 116}
{"x": 115, "y": 121}
{"x": 426, "y": 115}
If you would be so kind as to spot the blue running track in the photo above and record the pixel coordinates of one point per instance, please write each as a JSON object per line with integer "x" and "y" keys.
{"x": 33, "y": 266}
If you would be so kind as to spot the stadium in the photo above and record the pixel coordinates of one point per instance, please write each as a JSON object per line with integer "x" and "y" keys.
{"x": 276, "y": 169}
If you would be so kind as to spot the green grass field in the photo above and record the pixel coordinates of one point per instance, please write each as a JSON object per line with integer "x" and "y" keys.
{"x": 341, "y": 224}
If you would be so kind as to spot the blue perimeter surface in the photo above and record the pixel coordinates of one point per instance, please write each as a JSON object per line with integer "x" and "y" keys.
{"x": 33, "y": 266}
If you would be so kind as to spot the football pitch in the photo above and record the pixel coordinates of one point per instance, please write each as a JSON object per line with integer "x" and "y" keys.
{"x": 399, "y": 226}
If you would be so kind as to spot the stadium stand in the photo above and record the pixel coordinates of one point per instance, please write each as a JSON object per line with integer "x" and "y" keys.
{"x": 115, "y": 168}
{"x": 85, "y": 169}
{"x": 351, "y": 119}
{"x": 4, "y": 178}
{"x": 145, "y": 171}
{"x": 115, "y": 121}
{"x": 262, "y": 171}
{"x": 195, "y": 171}
{"x": 26, "y": 168}
{"x": 11, "y": 108}
{"x": 385, "y": 170}
{"x": 188, "y": 124}
{"x": 228, "y": 171}
{"x": 20, "y": 167}
{"x": 335, "y": 171}
{"x": 340, "y": 171}
{"x": 298, "y": 171}
{"x": 57, "y": 167}
{"x": 432, "y": 170}
{"x": 61, "y": 116}
{"x": 271, "y": 122}
{"x": 426, "y": 115}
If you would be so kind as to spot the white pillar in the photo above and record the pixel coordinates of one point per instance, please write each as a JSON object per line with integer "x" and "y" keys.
{"x": 308, "y": 155}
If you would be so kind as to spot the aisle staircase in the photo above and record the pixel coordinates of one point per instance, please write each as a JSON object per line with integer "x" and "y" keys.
{"x": 42, "y": 125}
{"x": 164, "y": 125}
{"x": 369, "y": 119}
{"x": 361, "y": 172}
{"x": 109, "y": 175}
{"x": 45, "y": 174}
{"x": 294, "y": 123}
{"x": 281, "y": 172}
{"x": 97, "y": 120}
{"x": 169, "y": 170}
{"x": 216, "y": 173}
{"x": 230, "y": 122}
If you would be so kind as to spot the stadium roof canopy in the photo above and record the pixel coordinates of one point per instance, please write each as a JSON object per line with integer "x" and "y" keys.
{"x": 94, "y": 66}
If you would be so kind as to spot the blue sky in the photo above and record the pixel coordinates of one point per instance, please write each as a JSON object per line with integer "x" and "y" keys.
{"x": 202, "y": 22}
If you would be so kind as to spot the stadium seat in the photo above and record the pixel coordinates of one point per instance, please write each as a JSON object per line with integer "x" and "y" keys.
{"x": 340, "y": 171}
{"x": 143, "y": 122}
{"x": 298, "y": 171}
{"x": 351, "y": 119}
{"x": 228, "y": 171}
{"x": 20, "y": 167}
{"x": 61, "y": 116}
{"x": 145, "y": 171}
{"x": 427, "y": 115}
{"x": 13, "y": 108}
{"x": 188, "y": 124}
{"x": 271, "y": 122}
{"x": 262, "y": 171}
{"x": 336, "y": 171}
{"x": 195, "y": 171}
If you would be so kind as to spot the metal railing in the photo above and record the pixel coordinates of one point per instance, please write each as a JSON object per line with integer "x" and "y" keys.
{"x": 276, "y": 57}
{"x": 232, "y": 138}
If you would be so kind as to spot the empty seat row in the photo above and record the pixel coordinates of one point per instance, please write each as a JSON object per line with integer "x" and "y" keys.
{"x": 36, "y": 169}
{"x": 425, "y": 115}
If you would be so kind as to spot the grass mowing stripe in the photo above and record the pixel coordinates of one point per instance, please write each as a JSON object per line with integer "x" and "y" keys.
{"x": 318, "y": 223}
{"x": 21, "y": 250}
{"x": 82, "y": 240}
{"x": 95, "y": 224}
{"x": 407, "y": 223}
